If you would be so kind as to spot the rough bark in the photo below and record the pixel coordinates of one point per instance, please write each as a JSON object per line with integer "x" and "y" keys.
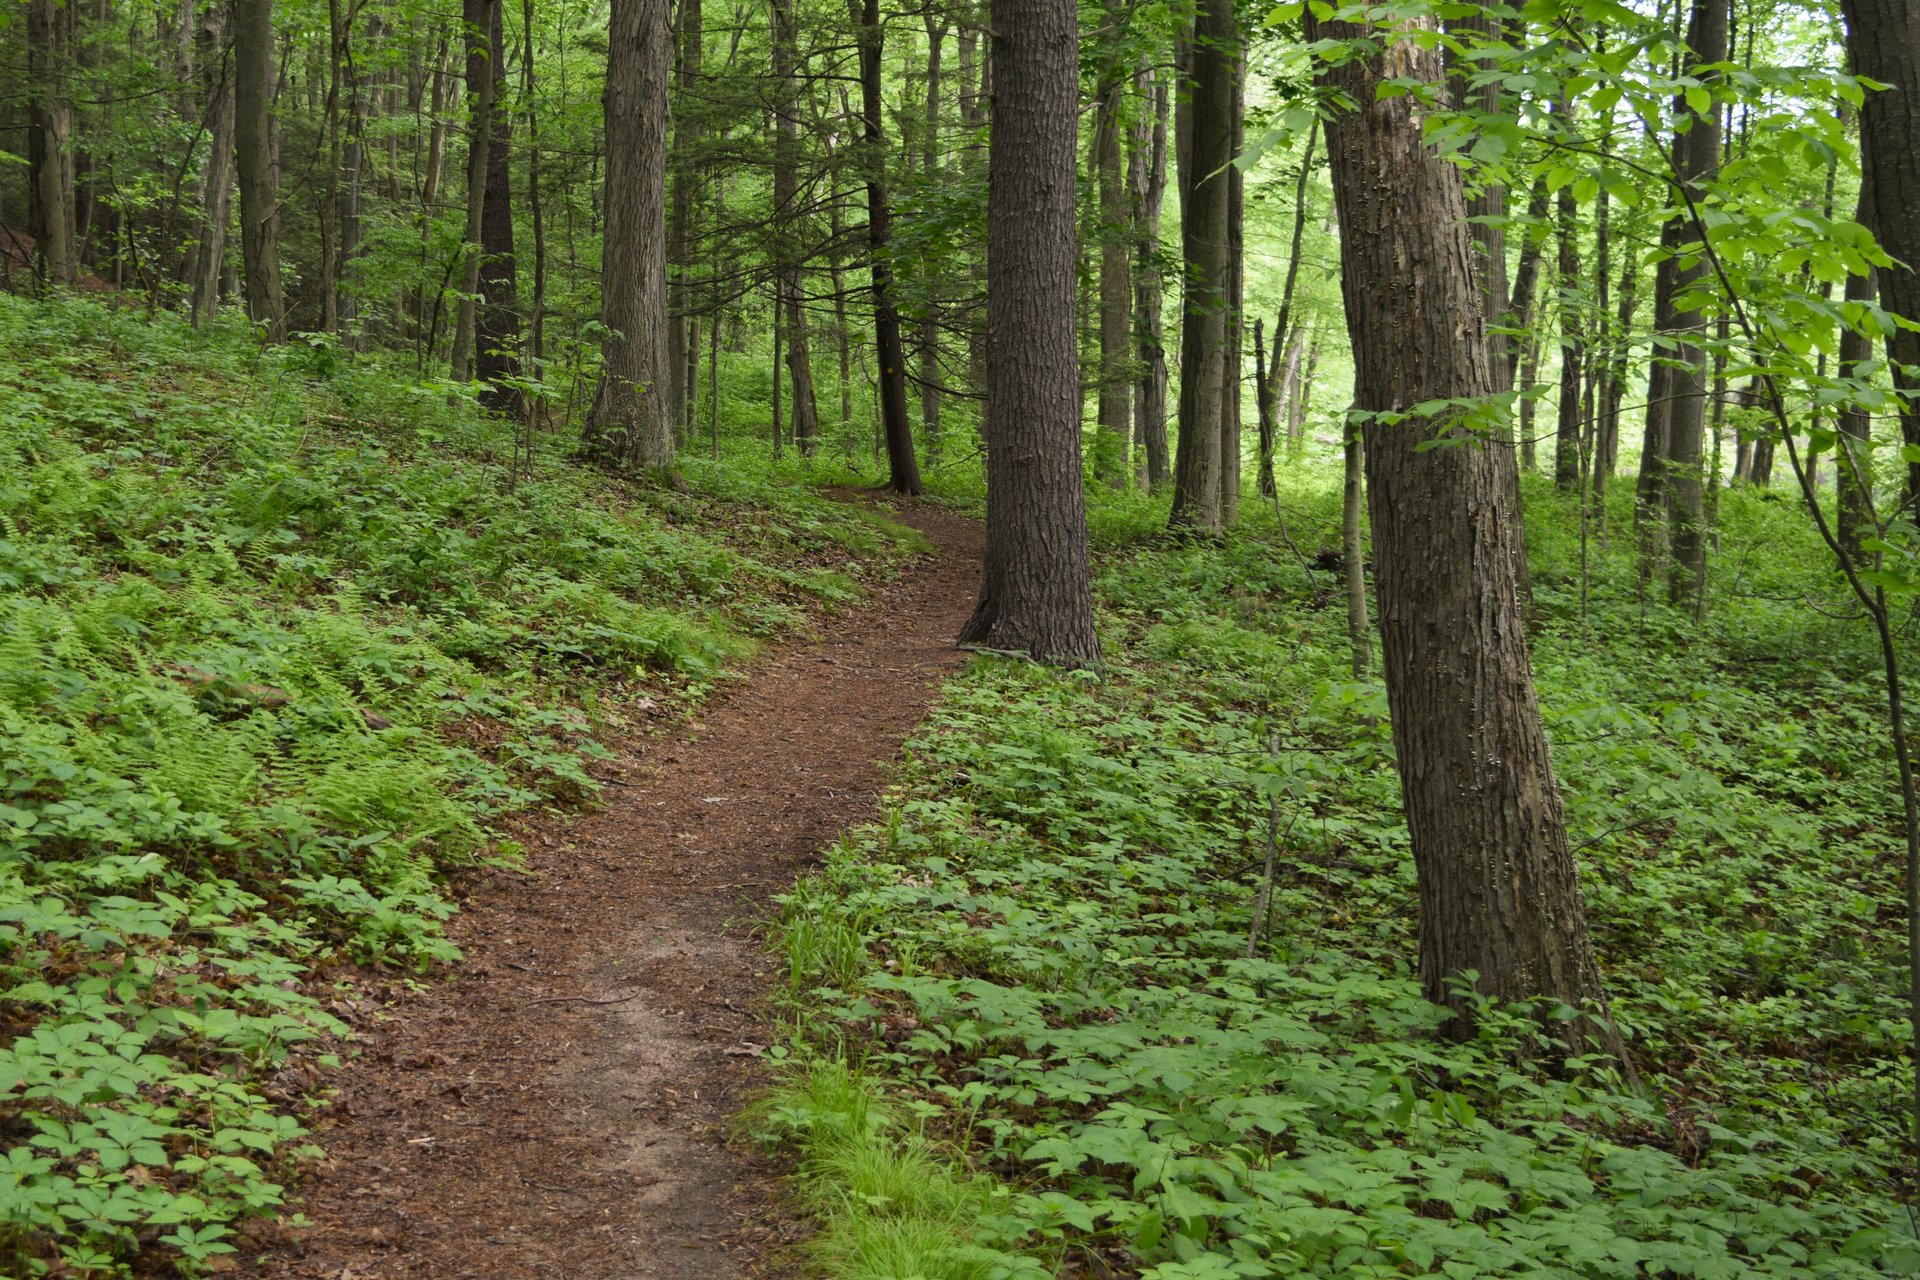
{"x": 1036, "y": 594}
{"x": 254, "y": 162}
{"x": 1883, "y": 44}
{"x": 903, "y": 468}
{"x": 1147, "y": 180}
{"x": 629, "y": 425}
{"x": 1499, "y": 895}
{"x": 1204, "y": 184}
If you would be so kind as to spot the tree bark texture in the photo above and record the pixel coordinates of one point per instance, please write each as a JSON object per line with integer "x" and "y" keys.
{"x": 1037, "y": 593}
{"x": 629, "y": 425}
{"x": 497, "y": 326}
{"x": 1207, "y": 154}
{"x": 254, "y": 161}
{"x": 1696, "y": 155}
{"x": 788, "y": 230}
{"x": 216, "y": 176}
{"x": 1883, "y": 43}
{"x": 1147, "y": 180}
{"x": 50, "y": 56}
{"x": 1116, "y": 285}
{"x": 689, "y": 34}
{"x": 476, "y": 18}
{"x": 1499, "y": 895}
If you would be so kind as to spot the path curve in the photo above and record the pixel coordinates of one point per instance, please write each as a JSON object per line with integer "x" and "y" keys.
{"x": 484, "y": 1134}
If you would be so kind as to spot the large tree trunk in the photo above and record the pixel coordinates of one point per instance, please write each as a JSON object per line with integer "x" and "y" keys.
{"x": 903, "y": 469}
{"x": 1499, "y": 896}
{"x": 1204, "y": 160}
{"x": 1883, "y": 43}
{"x": 1697, "y": 154}
{"x": 254, "y": 161}
{"x": 1116, "y": 288}
{"x": 629, "y": 425}
{"x": 1147, "y": 180}
{"x": 497, "y": 326}
{"x": 1036, "y": 595}
{"x": 216, "y": 177}
{"x": 789, "y": 229}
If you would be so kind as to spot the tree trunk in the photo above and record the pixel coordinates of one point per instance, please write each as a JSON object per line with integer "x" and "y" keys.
{"x": 1353, "y": 557}
{"x": 1284, "y": 338}
{"x": 929, "y": 378}
{"x": 216, "y": 177}
{"x": 1569, "y": 434}
{"x": 1499, "y": 895}
{"x": 629, "y": 425}
{"x": 536, "y": 319}
{"x": 1147, "y": 180}
{"x": 476, "y": 18}
{"x": 1233, "y": 357}
{"x": 1853, "y": 474}
{"x": 1036, "y": 594}
{"x": 1206, "y": 156}
{"x": 1116, "y": 286}
{"x": 1264, "y": 416}
{"x": 254, "y": 161}
{"x": 497, "y": 326}
{"x": 1697, "y": 154}
{"x": 682, "y": 343}
{"x": 50, "y": 49}
{"x": 1526, "y": 283}
{"x": 903, "y": 469}
{"x": 1883, "y": 44}
{"x": 789, "y": 229}
{"x": 1606, "y": 457}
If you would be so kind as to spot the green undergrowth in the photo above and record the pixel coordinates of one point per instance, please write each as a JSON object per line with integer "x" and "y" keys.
{"x": 1043, "y": 954}
{"x": 280, "y": 648}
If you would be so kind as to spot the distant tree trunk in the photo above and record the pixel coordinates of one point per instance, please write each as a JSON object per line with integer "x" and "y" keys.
{"x": 1569, "y": 431}
{"x": 789, "y": 229}
{"x": 629, "y": 425}
{"x": 1883, "y": 44}
{"x": 682, "y": 340}
{"x": 1650, "y": 488}
{"x": 930, "y": 315}
{"x": 1697, "y": 154}
{"x": 1264, "y": 415}
{"x": 254, "y": 161}
{"x": 497, "y": 326}
{"x": 1499, "y": 895}
{"x": 1036, "y": 595}
{"x": 1284, "y": 339}
{"x": 903, "y": 469}
{"x": 1606, "y": 458}
{"x": 476, "y": 18}
{"x": 1213, "y": 57}
{"x": 1526, "y": 282}
{"x": 1854, "y": 465}
{"x": 1147, "y": 180}
{"x": 50, "y": 50}
{"x": 1116, "y": 286}
{"x": 1353, "y": 556}
{"x": 1290, "y": 390}
{"x": 536, "y": 319}
{"x": 353, "y": 156}
{"x": 216, "y": 177}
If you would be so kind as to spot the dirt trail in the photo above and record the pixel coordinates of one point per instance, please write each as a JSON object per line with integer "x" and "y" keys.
{"x": 505, "y": 1125}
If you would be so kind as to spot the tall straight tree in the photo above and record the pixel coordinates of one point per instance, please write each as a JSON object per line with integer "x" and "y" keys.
{"x": 1116, "y": 302}
{"x": 683, "y": 344}
{"x": 496, "y": 356}
{"x": 1204, "y": 183}
{"x": 1036, "y": 594}
{"x": 1147, "y": 184}
{"x": 253, "y": 159}
{"x": 903, "y": 469}
{"x": 787, "y": 231}
{"x": 1499, "y": 896}
{"x": 477, "y": 19}
{"x": 1883, "y": 43}
{"x": 630, "y": 425}
{"x": 1696, "y": 156}
{"x": 216, "y": 176}
{"x": 50, "y": 41}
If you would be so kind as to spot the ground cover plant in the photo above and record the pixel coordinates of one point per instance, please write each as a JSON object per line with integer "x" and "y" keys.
{"x": 1048, "y": 961}
{"x": 281, "y": 647}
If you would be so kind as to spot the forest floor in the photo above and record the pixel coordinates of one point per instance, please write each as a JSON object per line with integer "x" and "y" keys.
{"x": 559, "y": 1105}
